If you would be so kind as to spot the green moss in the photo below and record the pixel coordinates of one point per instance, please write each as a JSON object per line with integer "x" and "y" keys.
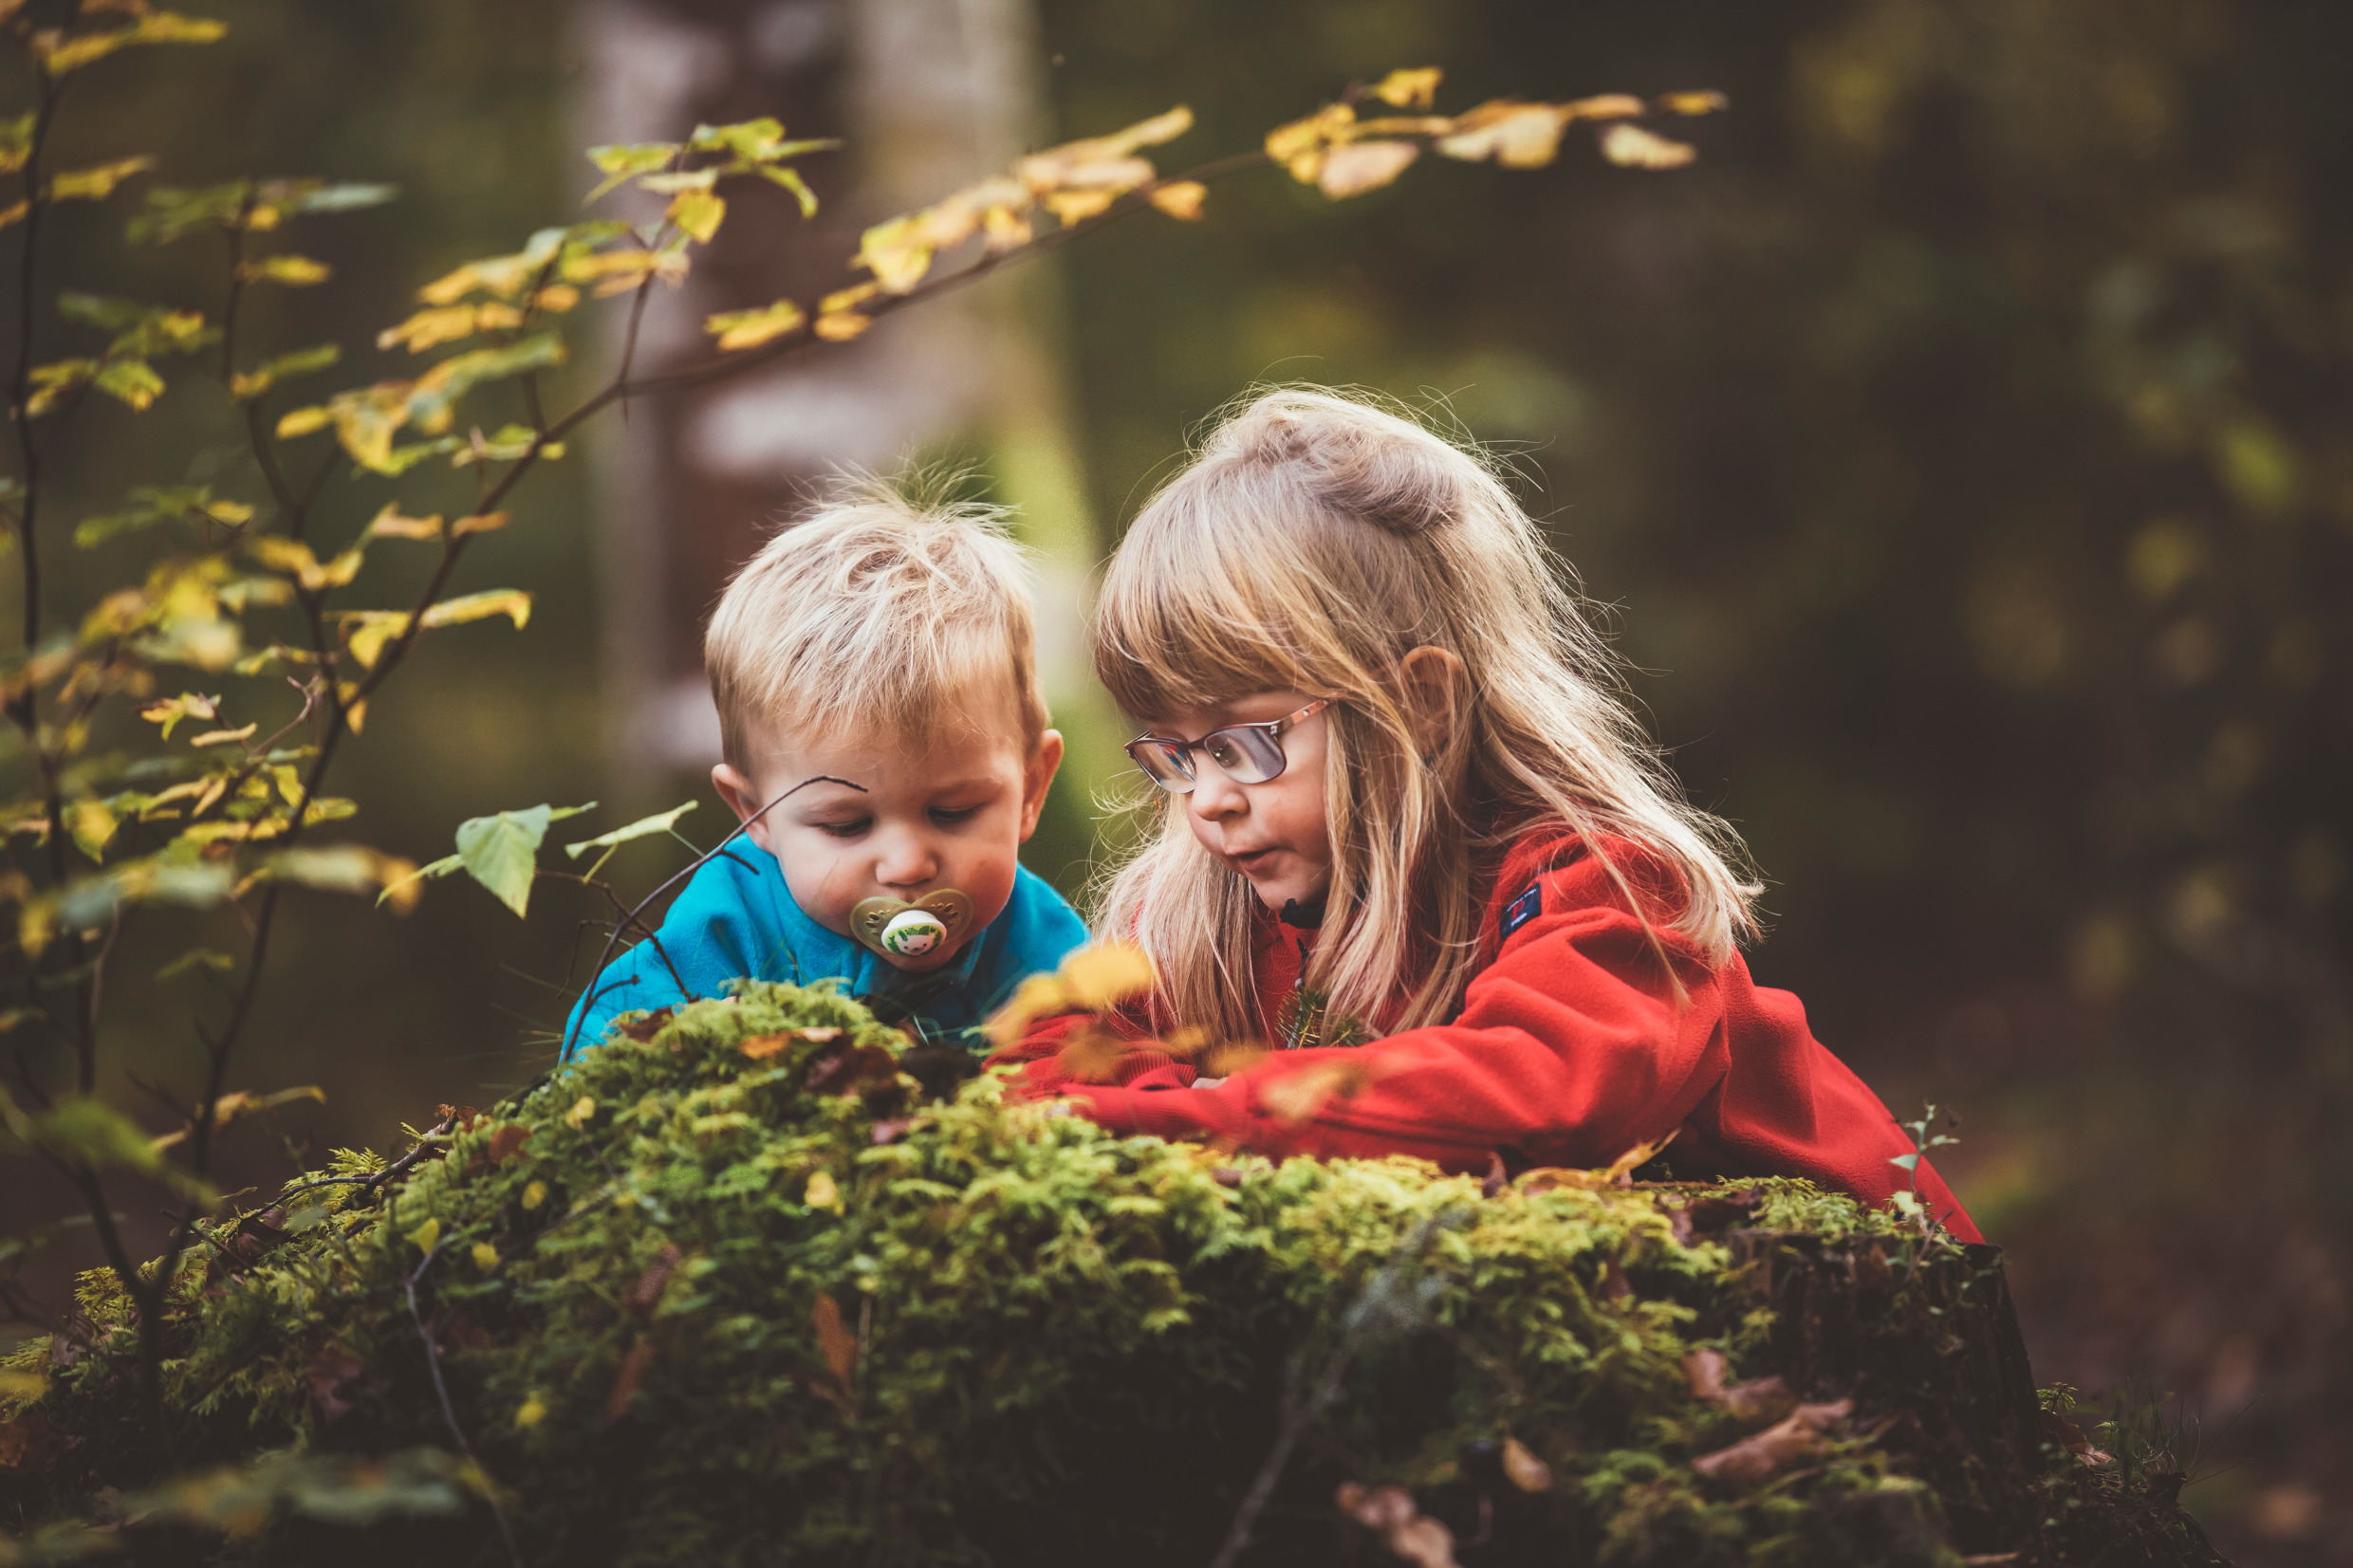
{"x": 1061, "y": 1337}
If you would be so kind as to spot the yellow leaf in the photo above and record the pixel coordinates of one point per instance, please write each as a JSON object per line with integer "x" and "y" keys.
{"x": 1359, "y": 166}
{"x": 99, "y": 183}
{"x": 1104, "y": 974}
{"x": 1515, "y": 134}
{"x": 582, "y": 1110}
{"x": 848, "y": 299}
{"x": 294, "y": 271}
{"x": 1632, "y": 147}
{"x": 535, "y": 1194}
{"x": 92, "y": 824}
{"x": 485, "y": 1256}
{"x": 512, "y": 603}
{"x": 426, "y": 1234}
{"x": 1706, "y": 103}
{"x": 13, "y": 212}
{"x": 1180, "y": 200}
{"x": 529, "y": 1413}
{"x": 1076, "y": 205}
{"x": 169, "y": 712}
{"x": 448, "y": 323}
{"x": 482, "y": 523}
{"x": 389, "y": 524}
{"x": 1302, "y": 139}
{"x": 1602, "y": 106}
{"x": 302, "y": 421}
{"x": 372, "y": 630}
{"x": 750, "y": 328}
{"x": 1006, "y": 228}
{"x": 223, "y": 737}
{"x": 1410, "y": 89}
{"x": 698, "y": 212}
{"x": 841, "y": 326}
{"x": 895, "y": 253}
{"x": 823, "y": 1193}
{"x": 1299, "y": 1096}
{"x": 556, "y": 297}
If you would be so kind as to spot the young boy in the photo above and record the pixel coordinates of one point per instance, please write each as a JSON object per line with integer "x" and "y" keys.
{"x": 885, "y": 738}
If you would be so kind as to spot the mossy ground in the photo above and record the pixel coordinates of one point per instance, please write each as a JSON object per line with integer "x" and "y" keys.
{"x": 733, "y": 1293}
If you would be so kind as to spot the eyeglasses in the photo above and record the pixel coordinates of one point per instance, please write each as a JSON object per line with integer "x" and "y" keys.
{"x": 1247, "y": 753}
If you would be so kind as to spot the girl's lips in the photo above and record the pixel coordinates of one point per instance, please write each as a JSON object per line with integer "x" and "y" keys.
{"x": 1254, "y": 860}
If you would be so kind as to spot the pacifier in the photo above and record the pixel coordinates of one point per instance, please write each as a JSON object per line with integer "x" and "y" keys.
{"x": 912, "y": 936}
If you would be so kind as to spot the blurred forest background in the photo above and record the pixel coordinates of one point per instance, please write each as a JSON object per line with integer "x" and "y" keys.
{"x": 1960, "y": 447}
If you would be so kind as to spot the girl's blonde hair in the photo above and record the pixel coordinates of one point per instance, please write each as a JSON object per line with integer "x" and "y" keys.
{"x": 1314, "y": 541}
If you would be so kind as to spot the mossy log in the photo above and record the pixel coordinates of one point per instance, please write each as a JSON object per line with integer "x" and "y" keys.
{"x": 738, "y": 1289}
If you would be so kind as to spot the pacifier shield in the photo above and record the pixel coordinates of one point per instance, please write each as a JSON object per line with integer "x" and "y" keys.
{"x": 913, "y": 935}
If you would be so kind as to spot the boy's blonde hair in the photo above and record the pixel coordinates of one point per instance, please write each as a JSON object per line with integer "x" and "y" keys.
{"x": 875, "y": 609}
{"x": 1312, "y": 542}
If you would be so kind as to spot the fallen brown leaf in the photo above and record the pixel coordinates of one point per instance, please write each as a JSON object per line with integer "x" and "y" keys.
{"x": 1523, "y": 1468}
{"x": 644, "y": 1296}
{"x": 1764, "y": 1455}
{"x": 628, "y": 1379}
{"x": 330, "y": 1371}
{"x": 20, "y": 1440}
{"x": 838, "y": 1343}
{"x": 506, "y": 1141}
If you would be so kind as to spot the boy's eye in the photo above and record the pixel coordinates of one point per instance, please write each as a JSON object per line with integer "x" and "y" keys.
{"x": 947, "y": 818}
{"x": 842, "y": 830}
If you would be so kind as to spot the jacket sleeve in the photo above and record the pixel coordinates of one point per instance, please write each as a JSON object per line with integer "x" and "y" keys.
{"x": 1572, "y": 1047}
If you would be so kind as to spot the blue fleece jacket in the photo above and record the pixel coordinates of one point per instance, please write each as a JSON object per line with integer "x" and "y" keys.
{"x": 737, "y": 920}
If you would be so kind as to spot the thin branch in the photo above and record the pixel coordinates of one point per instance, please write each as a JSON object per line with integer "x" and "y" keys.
{"x": 449, "y": 1411}
{"x": 741, "y": 828}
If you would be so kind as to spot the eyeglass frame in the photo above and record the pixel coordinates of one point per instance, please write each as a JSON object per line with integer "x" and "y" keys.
{"x": 1273, "y": 728}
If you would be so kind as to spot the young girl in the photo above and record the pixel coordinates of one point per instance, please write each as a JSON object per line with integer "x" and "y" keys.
{"x": 1410, "y": 828}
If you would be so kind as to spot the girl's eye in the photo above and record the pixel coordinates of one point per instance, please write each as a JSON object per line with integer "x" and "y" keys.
{"x": 946, "y": 817}
{"x": 842, "y": 830}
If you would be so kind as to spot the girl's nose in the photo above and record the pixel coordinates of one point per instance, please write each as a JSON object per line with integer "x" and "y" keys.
{"x": 1214, "y": 796}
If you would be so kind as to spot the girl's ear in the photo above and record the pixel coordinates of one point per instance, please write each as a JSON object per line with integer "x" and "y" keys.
{"x": 1036, "y": 777}
{"x": 743, "y": 797}
{"x": 1435, "y": 689}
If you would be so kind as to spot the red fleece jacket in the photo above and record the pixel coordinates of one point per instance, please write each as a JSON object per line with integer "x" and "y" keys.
{"x": 1570, "y": 1049}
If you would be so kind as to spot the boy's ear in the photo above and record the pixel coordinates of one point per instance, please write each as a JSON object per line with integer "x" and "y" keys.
{"x": 1036, "y": 777}
{"x": 743, "y": 797}
{"x": 1435, "y": 692}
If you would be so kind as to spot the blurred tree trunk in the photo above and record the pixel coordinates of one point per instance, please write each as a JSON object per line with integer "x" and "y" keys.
{"x": 927, "y": 95}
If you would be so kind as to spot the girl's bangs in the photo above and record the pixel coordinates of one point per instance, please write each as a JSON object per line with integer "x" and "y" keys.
{"x": 1195, "y": 616}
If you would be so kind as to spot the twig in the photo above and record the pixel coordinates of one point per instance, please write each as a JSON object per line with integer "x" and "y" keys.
{"x": 743, "y": 827}
{"x": 1374, "y": 1316}
{"x": 449, "y": 1412}
{"x": 415, "y": 1152}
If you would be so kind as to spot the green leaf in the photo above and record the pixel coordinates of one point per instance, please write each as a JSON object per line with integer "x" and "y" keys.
{"x": 643, "y": 827}
{"x": 88, "y": 1130}
{"x": 501, "y": 852}
{"x": 1905, "y": 1162}
{"x": 790, "y": 179}
{"x": 435, "y": 393}
{"x": 249, "y": 384}
{"x": 133, "y": 382}
{"x": 102, "y": 311}
{"x": 151, "y": 505}
{"x": 194, "y": 959}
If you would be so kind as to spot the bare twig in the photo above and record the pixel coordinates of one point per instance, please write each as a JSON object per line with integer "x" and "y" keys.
{"x": 449, "y": 1412}
{"x": 635, "y": 914}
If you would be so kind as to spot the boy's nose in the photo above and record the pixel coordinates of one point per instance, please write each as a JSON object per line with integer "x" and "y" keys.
{"x": 907, "y": 861}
